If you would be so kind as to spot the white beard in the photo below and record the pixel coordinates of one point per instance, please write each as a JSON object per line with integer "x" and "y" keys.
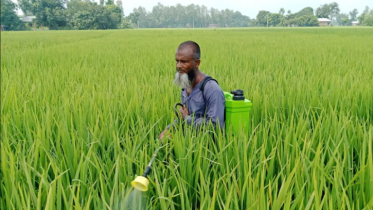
{"x": 182, "y": 80}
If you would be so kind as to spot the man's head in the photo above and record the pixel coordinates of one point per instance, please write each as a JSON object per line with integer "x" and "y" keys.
{"x": 187, "y": 58}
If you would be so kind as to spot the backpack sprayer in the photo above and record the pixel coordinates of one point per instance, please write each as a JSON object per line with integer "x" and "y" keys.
{"x": 237, "y": 113}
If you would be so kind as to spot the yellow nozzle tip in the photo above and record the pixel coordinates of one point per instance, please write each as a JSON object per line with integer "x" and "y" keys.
{"x": 140, "y": 183}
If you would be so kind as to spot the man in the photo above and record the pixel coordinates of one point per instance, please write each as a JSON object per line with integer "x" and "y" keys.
{"x": 200, "y": 107}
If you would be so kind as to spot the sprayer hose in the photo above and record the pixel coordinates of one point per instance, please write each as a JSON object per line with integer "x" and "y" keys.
{"x": 176, "y": 111}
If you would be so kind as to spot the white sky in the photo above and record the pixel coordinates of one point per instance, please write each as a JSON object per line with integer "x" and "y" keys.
{"x": 250, "y": 7}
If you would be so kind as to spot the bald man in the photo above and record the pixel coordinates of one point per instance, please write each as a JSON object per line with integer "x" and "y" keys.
{"x": 200, "y": 106}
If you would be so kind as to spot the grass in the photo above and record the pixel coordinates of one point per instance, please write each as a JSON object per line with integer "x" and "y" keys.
{"x": 80, "y": 112}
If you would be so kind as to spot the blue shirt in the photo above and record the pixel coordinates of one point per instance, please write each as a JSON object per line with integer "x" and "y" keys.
{"x": 212, "y": 102}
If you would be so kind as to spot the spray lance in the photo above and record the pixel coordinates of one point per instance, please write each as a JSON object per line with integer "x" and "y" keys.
{"x": 141, "y": 183}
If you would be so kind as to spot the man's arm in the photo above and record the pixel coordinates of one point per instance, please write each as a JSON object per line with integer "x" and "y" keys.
{"x": 215, "y": 107}
{"x": 174, "y": 123}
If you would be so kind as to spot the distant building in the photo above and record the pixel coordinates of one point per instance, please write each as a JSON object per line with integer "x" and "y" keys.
{"x": 324, "y": 22}
{"x": 213, "y": 25}
{"x": 355, "y": 23}
{"x": 28, "y": 19}
{"x": 3, "y": 27}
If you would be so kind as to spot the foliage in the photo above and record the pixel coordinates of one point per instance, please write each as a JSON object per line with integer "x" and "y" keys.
{"x": 282, "y": 11}
{"x": 80, "y": 112}
{"x": 115, "y": 13}
{"x": 49, "y": 13}
{"x": 90, "y": 15}
{"x": 330, "y": 11}
{"x": 276, "y": 19}
{"x": 134, "y": 18}
{"x": 125, "y": 24}
{"x": 353, "y": 15}
{"x": 9, "y": 18}
{"x": 323, "y": 11}
{"x": 77, "y": 15}
{"x": 366, "y": 18}
{"x": 307, "y": 20}
{"x": 342, "y": 19}
{"x": 334, "y": 9}
{"x": 261, "y": 18}
{"x": 304, "y": 11}
{"x": 302, "y": 18}
{"x": 189, "y": 16}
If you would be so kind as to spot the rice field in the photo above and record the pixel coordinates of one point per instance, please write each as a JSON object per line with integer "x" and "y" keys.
{"x": 81, "y": 112}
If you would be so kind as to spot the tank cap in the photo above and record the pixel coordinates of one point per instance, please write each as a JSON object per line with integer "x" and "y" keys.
{"x": 238, "y": 95}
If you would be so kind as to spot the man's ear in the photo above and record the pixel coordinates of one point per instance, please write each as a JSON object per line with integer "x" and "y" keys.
{"x": 197, "y": 62}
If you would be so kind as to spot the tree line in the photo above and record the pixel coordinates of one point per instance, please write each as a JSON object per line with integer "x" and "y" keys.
{"x": 58, "y": 14}
{"x": 308, "y": 17}
{"x": 85, "y": 14}
{"x": 332, "y": 12}
{"x": 192, "y": 16}
{"x": 304, "y": 17}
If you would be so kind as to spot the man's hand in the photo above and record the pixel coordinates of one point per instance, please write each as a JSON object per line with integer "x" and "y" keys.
{"x": 184, "y": 111}
{"x": 163, "y": 133}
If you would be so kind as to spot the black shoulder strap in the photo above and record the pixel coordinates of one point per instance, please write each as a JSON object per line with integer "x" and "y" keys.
{"x": 204, "y": 81}
{"x": 202, "y": 88}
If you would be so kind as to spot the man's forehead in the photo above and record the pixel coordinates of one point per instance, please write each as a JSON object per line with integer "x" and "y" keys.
{"x": 184, "y": 52}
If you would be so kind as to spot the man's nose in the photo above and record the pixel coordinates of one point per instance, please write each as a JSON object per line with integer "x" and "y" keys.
{"x": 178, "y": 65}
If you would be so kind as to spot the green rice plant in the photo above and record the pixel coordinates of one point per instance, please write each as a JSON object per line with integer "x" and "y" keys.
{"x": 81, "y": 112}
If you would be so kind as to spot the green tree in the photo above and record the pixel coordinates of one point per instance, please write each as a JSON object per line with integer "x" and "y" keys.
{"x": 307, "y": 20}
{"x": 323, "y": 11}
{"x": 25, "y": 6}
{"x": 334, "y": 11}
{"x": 134, "y": 18}
{"x": 369, "y": 19}
{"x": 353, "y": 15}
{"x": 239, "y": 20}
{"x": 252, "y": 23}
{"x": 49, "y": 13}
{"x": 261, "y": 18}
{"x": 282, "y": 11}
{"x": 366, "y": 10}
{"x": 330, "y": 11}
{"x": 125, "y": 24}
{"x": 115, "y": 15}
{"x": 186, "y": 16}
{"x": 302, "y": 12}
{"x": 143, "y": 17}
{"x": 275, "y": 19}
{"x": 366, "y": 19}
{"x": 89, "y": 15}
{"x": 102, "y": 18}
{"x": 342, "y": 19}
{"x": 81, "y": 14}
{"x": 305, "y": 11}
{"x": 9, "y": 18}
{"x": 362, "y": 18}
{"x": 120, "y": 5}
{"x": 302, "y": 18}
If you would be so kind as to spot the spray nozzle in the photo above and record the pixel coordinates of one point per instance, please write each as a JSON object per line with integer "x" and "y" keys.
{"x": 141, "y": 182}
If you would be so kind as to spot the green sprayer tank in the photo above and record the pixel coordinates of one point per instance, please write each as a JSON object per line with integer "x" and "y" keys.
{"x": 237, "y": 111}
